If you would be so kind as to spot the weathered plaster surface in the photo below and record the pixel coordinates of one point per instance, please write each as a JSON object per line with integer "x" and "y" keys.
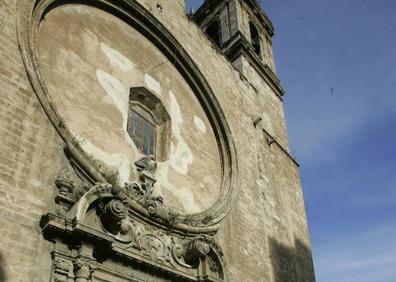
{"x": 199, "y": 124}
{"x": 94, "y": 101}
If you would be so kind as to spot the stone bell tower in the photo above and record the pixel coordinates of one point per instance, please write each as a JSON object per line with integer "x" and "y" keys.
{"x": 243, "y": 32}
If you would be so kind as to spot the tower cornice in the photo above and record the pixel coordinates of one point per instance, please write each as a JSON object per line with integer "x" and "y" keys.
{"x": 238, "y": 45}
{"x": 253, "y": 5}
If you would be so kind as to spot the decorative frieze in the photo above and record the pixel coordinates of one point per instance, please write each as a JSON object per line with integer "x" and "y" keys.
{"x": 103, "y": 216}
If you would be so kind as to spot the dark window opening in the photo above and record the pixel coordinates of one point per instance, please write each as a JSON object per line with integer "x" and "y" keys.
{"x": 255, "y": 38}
{"x": 214, "y": 32}
{"x": 142, "y": 129}
{"x": 148, "y": 123}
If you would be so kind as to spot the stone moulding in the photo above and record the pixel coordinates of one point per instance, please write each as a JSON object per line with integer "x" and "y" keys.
{"x": 140, "y": 196}
{"x": 262, "y": 16}
{"x": 30, "y": 14}
{"x": 106, "y": 220}
{"x": 104, "y": 223}
{"x": 237, "y": 45}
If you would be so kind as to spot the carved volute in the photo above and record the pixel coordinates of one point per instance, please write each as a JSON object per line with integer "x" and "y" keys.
{"x": 103, "y": 219}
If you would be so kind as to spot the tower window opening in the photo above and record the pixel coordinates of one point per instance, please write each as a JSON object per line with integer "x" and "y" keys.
{"x": 255, "y": 38}
{"x": 214, "y": 32}
{"x": 142, "y": 129}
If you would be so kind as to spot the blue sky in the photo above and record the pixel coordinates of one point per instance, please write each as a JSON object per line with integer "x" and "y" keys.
{"x": 337, "y": 61}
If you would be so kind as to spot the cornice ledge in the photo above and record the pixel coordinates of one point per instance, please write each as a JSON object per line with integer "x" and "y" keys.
{"x": 262, "y": 16}
{"x": 238, "y": 45}
{"x": 253, "y": 4}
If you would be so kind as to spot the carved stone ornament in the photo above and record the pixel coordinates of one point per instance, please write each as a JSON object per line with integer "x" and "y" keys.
{"x": 102, "y": 221}
{"x": 131, "y": 194}
{"x": 102, "y": 218}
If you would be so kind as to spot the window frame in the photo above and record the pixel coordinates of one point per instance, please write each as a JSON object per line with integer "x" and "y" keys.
{"x": 255, "y": 39}
{"x": 137, "y": 109}
{"x": 217, "y": 24}
{"x": 151, "y": 106}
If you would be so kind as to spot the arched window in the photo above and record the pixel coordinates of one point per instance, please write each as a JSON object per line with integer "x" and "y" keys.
{"x": 255, "y": 38}
{"x": 214, "y": 32}
{"x": 143, "y": 129}
{"x": 148, "y": 123}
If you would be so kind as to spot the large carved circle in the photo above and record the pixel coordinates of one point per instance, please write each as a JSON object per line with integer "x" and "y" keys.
{"x": 83, "y": 59}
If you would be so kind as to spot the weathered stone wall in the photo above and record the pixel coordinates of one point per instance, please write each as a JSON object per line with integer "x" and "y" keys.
{"x": 265, "y": 237}
{"x": 30, "y": 157}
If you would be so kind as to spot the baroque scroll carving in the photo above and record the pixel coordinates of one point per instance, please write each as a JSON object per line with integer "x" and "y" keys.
{"x": 129, "y": 194}
{"x": 103, "y": 211}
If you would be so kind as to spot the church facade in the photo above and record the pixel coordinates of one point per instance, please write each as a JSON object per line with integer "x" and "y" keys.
{"x": 141, "y": 143}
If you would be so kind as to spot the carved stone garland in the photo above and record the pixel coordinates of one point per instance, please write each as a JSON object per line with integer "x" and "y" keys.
{"x": 104, "y": 213}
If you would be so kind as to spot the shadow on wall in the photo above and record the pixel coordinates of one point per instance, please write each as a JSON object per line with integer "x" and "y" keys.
{"x": 2, "y": 269}
{"x": 291, "y": 264}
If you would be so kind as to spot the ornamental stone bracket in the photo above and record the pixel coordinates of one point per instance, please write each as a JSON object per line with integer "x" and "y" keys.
{"x": 103, "y": 219}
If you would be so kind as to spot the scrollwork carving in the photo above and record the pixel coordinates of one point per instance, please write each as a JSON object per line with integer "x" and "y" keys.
{"x": 115, "y": 220}
{"x": 188, "y": 253}
{"x": 115, "y": 205}
{"x": 134, "y": 238}
{"x": 195, "y": 249}
{"x": 155, "y": 243}
{"x": 140, "y": 192}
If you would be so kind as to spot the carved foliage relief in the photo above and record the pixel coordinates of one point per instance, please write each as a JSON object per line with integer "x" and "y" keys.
{"x": 103, "y": 213}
